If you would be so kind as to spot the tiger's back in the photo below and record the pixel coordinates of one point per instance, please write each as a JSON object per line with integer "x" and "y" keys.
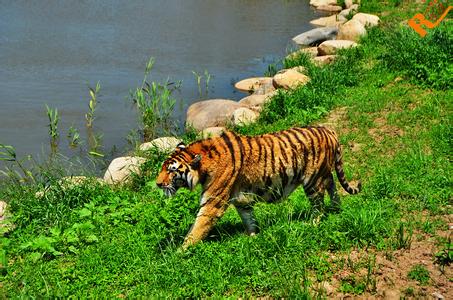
{"x": 239, "y": 170}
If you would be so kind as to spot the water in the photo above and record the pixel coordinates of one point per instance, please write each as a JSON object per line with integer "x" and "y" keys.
{"x": 51, "y": 51}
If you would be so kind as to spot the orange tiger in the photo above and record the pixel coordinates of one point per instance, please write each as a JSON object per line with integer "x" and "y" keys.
{"x": 240, "y": 170}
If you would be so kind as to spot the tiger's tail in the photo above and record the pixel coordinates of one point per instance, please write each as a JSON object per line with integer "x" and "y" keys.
{"x": 340, "y": 174}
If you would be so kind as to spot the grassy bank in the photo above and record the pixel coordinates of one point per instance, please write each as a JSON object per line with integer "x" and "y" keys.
{"x": 390, "y": 101}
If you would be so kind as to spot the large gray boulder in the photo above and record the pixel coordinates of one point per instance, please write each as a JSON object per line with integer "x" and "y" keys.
{"x": 316, "y": 36}
{"x": 211, "y": 113}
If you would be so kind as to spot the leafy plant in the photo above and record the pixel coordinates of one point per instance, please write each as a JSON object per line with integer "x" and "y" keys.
{"x": 54, "y": 118}
{"x": 444, "y": 257}
{"x": 8, "y": 154}
{"x": 199, "y": 78}
{"x": 420, "y": 274}
{"x": 73, "y": 137}
{"x": 92, "y": 105}
{"x": 155, "y": 104}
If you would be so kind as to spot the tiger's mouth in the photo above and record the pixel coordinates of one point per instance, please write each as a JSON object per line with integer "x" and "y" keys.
{"x": 169, "y": 190}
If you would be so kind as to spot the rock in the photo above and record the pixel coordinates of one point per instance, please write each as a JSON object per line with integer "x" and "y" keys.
{"x": 391, "y": 294}
{"x": 438, "y": 296}
{"x": 331, "y": 47}
{"x": 327, "y": 287}
{"x": 333, "y": 20}
{"x": 69, "y": 182}
{"x": 316, "y": 36}
{"x": 212, "y": 132}
{"x": 162, "y": 144}
{"x": 317, "y": 3}
{"x": 6, "y": 224}
{"x": 310, "y": 51}
{"x": 349, "y": 3}
{"x": 3, "y": 206}
{"x": 290, "y": 78}
{"x": 324, "y": 60}
{"x": 352, "y": 10}
{"x": 330, "y": 8}
{"x": 121, "y": 169}
{"x": 351, "y": 30}
{"x": 244, "y": 116}
{"x": 250, "y": 85}
{"x": 257, "y": 101}
{"x": 211, "y": 113}
{"x": 366, "y": 19}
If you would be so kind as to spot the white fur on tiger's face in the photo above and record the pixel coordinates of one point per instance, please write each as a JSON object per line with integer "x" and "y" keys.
{"x": 239, "y": 170}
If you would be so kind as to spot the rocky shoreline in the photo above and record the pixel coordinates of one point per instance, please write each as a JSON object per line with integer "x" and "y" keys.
{"x": 342, "y": 29}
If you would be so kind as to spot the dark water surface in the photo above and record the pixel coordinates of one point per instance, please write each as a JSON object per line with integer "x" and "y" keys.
{"x": 51, "y": 51}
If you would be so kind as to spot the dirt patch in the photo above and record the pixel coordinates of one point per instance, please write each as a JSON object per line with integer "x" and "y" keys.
{"x": 336, "y": 120}
{"x": 383, "y": 130}
{"x": 384, "y": 275}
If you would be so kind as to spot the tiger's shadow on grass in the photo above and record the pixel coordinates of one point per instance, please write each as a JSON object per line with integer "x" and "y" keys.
{"x": 230, "y": 229}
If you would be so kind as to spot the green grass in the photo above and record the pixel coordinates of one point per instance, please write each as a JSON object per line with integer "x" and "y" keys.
{"x": 420, "y": 274}
{"x": 95, "y": 241}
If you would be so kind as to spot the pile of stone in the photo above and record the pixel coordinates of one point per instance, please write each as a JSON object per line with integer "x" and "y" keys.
{"x": 342, "y": 29}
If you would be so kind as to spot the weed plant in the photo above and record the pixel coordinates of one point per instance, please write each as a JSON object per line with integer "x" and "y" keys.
{"x": 54, "y": 118}
{"x": 155, "y": 104}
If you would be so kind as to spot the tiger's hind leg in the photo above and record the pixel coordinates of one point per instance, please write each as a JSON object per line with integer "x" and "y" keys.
{"x": 248, "y": 219}
{"x": 335, "y": 201}
{"x": 316, "y": 197}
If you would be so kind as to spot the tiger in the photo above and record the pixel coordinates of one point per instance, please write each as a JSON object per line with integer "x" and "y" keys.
{"x": 241, "y": 170}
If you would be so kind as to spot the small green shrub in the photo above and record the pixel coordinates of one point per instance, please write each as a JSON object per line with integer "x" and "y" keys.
{"x": 420, "y": 274}
{"x": 426, "y": 61}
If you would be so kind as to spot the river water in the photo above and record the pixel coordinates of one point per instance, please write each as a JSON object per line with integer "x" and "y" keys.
{"x": 51, "y": 51}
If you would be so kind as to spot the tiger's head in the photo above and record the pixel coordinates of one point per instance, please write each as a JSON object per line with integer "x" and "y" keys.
{"x": 179, "y": 170}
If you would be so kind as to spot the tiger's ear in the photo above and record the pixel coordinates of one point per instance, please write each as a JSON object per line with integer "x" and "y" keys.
{"x": 195, "y": 163}
{"x": 181, "y": 146}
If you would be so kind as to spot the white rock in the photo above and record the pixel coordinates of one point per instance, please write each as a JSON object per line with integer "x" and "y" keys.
{"x": 250, "y": 85}
{"x": 257, "y": 101}
{"x": 290, "y": 78}
{"x": 345, "y": 12}
{"x": 3, "y": 206}
{"x": 244, "y": 116}
{"x": 121, "y": 169}
{"x": 349, "y": 3}
{"x": 329, "y": 8}
{"x": 69, "y": 182}
{"x": 366, "y": 19}
{"x": 211, "y": 113}
{"x": 316, "y": 36}
{"x": 212, "y": 132}
{"x": 310, "y": 51}
{"x": 331, "y": 47}
{"x": 351, "y": 30}
{"x": 317, "y": 3}
{"x": 329, "y": 21}
{"x": 163, "y": 144}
